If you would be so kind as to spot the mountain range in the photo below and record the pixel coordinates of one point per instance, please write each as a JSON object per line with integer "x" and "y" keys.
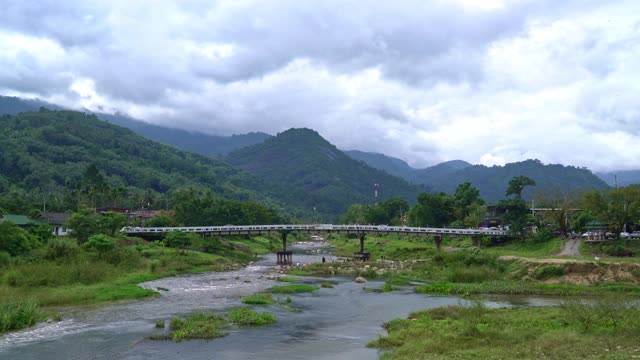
{"x": 298, "y": 167}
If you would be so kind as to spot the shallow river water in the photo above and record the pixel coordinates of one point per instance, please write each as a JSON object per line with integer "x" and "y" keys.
{"x": 335, "y": 323}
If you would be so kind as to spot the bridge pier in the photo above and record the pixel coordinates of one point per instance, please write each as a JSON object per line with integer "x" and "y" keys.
{"x": 475, "y": 241}
{"x": 362, "y": 256}
{"x": 284, "y": 257}
{"x": 438, "y": 240}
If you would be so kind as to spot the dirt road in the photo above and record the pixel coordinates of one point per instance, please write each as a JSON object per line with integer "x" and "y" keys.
{"x": 571, "y": 248}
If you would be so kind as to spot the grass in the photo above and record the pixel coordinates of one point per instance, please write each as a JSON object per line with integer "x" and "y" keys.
{"x": 293, "y": 289}
{"x": 210, "y": 325}
{"x": 246, "y": 317}
{"x": 475, "y": 332}
{"x": 87, "y": 279}
{"x": 326, "y": 284}
{"x": 20, "y": 315}
{"x": 524, "y": 288}
{"x": 258, "y": 299}
{"x": 256, "y": 245}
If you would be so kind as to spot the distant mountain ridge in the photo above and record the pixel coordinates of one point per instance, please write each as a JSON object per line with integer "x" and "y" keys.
{"x": 317, "y": 173}
{"x": 620, "y": 178}
{"x": 491, "y": 181}
{"x": 201, "y": 143}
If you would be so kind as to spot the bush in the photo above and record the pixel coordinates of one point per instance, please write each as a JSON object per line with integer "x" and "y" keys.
{"x": 100, "y": 243}
{"x": 61, "y": 249}
{"x": 543, "y": 235}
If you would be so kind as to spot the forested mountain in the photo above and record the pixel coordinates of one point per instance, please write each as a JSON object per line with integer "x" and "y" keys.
{"x": 439, "y": 171}
{"x": 621, "y": 178}
{"x": 317, "y": 173}
{"x": 60, "y": 152}
{"x": 391, "y": 165}
{"x": 205, "y": 144}
{"x": 493, "y": 181}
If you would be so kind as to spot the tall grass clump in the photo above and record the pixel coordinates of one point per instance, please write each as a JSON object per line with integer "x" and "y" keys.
{"x": 20, "y": 315}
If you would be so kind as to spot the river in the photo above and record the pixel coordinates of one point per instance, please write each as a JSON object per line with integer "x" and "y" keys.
{"x": 334, "y": 323}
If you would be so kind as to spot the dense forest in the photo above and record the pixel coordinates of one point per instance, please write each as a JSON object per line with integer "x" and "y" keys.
{"x": 491, "y": 181}
{"x": 317, "y": 174}
{"x": 71, "y": 159}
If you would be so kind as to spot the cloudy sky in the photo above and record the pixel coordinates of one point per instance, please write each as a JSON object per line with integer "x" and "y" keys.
{"x": 486, "y": 81}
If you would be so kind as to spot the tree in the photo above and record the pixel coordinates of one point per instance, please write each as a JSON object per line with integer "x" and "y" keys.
{"x": 560, "y": 208}
{"x": 110, "y": 222}
{"x": 464, "y": 197}
{"x": 177, "y": 239}
{"x": 432, "y": 210}
{"x": 84, "y": 223}
{"x": 14, "y": 240}
{"x": 615, "y": 207}
{"x": 476, "y": 214}
{"x": 101, "y": 243}
{"x": 517, "y": 184}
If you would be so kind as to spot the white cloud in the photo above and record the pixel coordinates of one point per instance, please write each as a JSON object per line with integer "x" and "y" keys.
{"x": 485, "y": 81}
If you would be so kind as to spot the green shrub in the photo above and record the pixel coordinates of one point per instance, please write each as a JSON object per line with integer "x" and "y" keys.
{"x": 61, "y": 249}
{"x": 100, "y": 243}
{"x": 160, "y": 324}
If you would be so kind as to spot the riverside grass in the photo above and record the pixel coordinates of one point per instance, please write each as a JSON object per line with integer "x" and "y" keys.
{"x": 476, "y": 332}
{"x": 87, "y": 278}
{"x": 293, "y": 289}
{"x": 20, "y": 315}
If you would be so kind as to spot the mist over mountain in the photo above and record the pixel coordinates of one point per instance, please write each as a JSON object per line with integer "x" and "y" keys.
{"x": 205, "y": 144}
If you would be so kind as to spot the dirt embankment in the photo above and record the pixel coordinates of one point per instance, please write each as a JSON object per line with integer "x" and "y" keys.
{"x": 576, "y": 272}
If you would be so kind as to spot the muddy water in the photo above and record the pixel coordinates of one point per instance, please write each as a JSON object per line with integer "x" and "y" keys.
{"x": 334, "y": 323}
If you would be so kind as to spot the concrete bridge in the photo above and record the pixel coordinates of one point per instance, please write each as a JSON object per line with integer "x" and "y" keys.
{"x": 285, "y": 257}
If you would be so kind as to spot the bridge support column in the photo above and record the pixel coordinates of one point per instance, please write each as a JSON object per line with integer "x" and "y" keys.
{"x": 284, "y": 257}
{"x": 438, "y": 240}
{"x": 475, "y": 241}
{"x": 363, "y": 256}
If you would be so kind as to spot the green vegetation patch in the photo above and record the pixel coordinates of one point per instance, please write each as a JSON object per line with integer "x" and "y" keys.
{"x": 248, "y": 317}
{"x": 326, "y": 284}
{"x": 20, "y": 315}
{"x": 476, "y": 332}
{"x": 258, "y": 299}
{"x": 293, "y": 289}
{"x": 524, "y": 288}
{"x": 209, "y": 325}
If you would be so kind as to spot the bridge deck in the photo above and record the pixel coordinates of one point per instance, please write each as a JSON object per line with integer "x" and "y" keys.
{"x": 321, "y": 228}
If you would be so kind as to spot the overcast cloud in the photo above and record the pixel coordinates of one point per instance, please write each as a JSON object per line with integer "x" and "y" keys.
{"x": 486, "y": 81}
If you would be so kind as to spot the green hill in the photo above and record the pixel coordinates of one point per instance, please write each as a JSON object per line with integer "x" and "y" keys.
{"x": 50, "y": 152}
{"x": 389, "y": 164}
{"x": 316, "y": 173}
{"x": 493, "y": 181}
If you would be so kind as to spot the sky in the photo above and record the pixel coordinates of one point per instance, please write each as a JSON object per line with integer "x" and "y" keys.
{"x": 487, "y": 81}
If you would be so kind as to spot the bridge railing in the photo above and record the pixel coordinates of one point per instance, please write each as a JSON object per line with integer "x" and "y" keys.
{"x": 313, "y": 227}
